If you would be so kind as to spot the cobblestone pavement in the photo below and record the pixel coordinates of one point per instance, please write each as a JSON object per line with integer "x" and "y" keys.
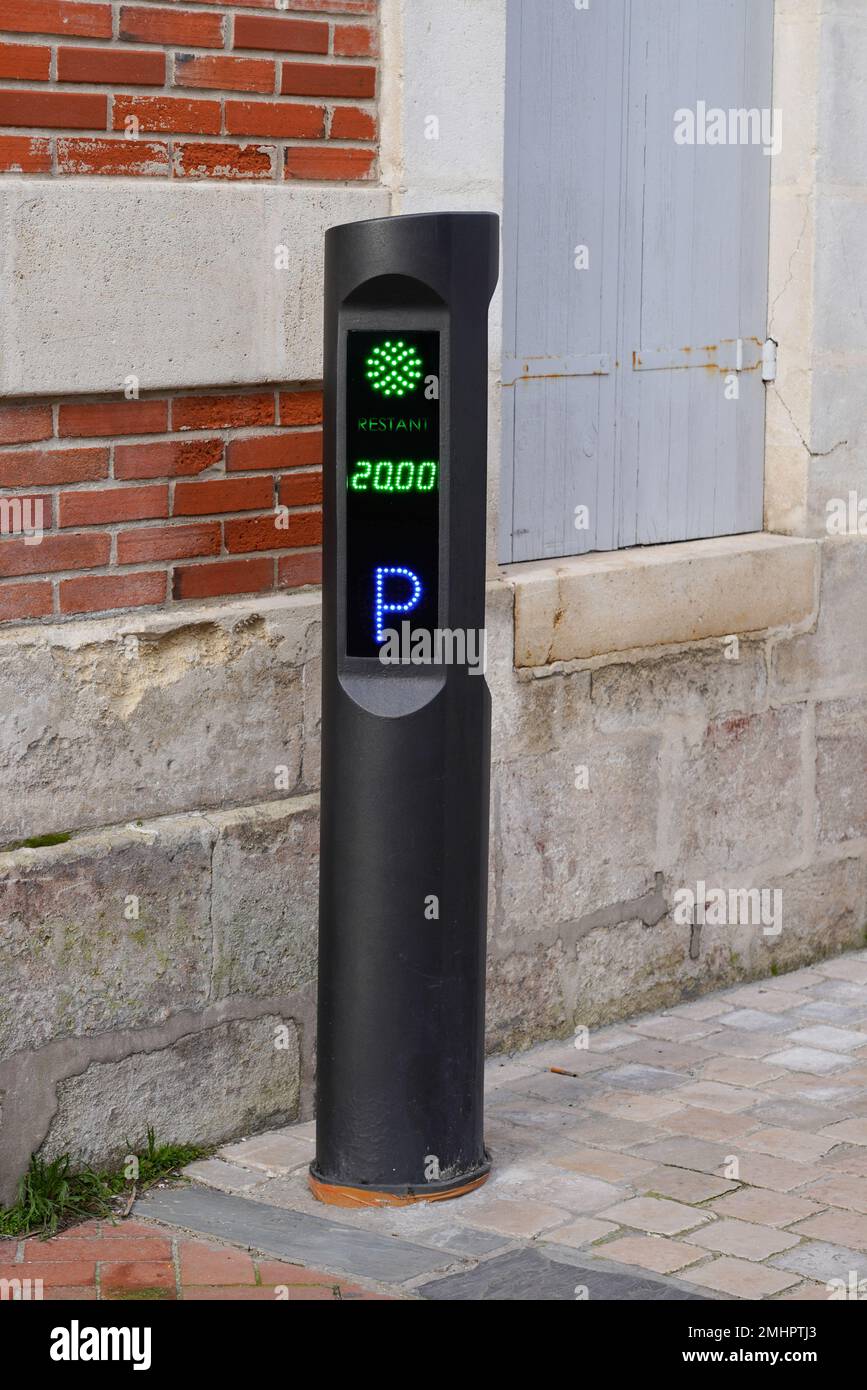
{"x": 714, "y": 1150}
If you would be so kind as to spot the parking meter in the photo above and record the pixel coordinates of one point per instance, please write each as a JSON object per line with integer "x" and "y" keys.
{"x": 405, "y": 710}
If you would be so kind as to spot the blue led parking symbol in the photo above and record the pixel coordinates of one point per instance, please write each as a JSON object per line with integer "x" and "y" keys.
{"x": 382, "y": 606}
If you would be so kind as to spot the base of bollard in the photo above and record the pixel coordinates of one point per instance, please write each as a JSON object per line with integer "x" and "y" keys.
{"x": 339, "y": 1195}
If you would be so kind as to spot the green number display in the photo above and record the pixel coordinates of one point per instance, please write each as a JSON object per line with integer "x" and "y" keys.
{"x": 387, "y": 475}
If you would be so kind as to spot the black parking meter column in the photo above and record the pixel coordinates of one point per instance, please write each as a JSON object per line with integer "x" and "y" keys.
{"x": 406, "y": 710}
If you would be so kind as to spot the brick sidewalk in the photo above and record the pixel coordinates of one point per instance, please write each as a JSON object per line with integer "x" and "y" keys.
{"x": 717, "y": 1149}
{"x": 132, "y": 1260}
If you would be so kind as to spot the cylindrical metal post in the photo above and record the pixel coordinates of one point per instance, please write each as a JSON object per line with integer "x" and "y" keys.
{"x": 405, "y": 745}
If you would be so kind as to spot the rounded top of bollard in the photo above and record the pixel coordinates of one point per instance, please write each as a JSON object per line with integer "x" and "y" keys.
{"x": 454, "y": 253}
{"x": 408, "y": 218}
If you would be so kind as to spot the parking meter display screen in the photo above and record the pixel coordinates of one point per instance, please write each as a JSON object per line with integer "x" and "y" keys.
{"x": 392, "y": 485}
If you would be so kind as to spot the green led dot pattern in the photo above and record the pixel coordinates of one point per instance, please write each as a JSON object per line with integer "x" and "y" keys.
{"x": 393, "y": 368}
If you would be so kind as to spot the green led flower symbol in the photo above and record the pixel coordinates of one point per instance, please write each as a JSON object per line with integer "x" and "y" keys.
{"x": 394, "y": 368}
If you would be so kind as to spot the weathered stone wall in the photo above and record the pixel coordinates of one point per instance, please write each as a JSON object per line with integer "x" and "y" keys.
{"x": 737, "y": 773}
{"x": 183, "y": 755}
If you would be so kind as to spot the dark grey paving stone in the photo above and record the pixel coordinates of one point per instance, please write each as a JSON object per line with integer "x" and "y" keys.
{"x": 819, "y": 1260}
{"x": 526, "y": 1275}
{"x": 463, "y": 1240}
{"x": 292, "y": 1235}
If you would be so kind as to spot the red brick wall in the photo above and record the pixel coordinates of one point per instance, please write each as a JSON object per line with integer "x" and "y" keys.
{"x": 173, "y": 497}
{"x": 188, "y": 89}
{"x": 153, "y": 502}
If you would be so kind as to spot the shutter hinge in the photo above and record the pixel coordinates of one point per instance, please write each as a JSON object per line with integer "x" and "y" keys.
{"x": 769, "y": 360}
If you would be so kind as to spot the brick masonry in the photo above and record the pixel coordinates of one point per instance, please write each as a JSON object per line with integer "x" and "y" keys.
{"x": 151, "y": 502}
{"x": 104, "y": 1260}
{"x": 192, "y": 90}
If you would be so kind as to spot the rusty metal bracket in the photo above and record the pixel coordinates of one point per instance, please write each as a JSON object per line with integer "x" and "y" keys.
{"x": 729, "y": 355}
{"x": 547, "y": 368}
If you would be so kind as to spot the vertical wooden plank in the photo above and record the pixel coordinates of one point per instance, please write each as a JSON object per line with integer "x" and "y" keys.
{"x": 562, "y": 192}
{"x": 715, "y": 306}
{"x": 670, "y": 521}
{"x": 748, "y": 501}
{"x": 690, "y": 462}
{"x": 535, "y": 468}
{"x": 631, "y": 239}
{"x": 511, "y": 176}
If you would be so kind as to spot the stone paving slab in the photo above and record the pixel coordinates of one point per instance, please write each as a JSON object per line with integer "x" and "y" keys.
{"x": 846, "y": 1159}
{"x": 743, "y": 1239}
{"x": 633, "y": 1076}
{"x": 739, "y": 1279}
{"x": 817, "y": 1259}
{"x": 228, "y": 1177}
{"x": 518, "y": 1218}
{"x": 610, "y": 1133}
{"x": 796, "y": 1114}
{"x": 272, "y": 1153}
{"x": 755, "y": 1021}
{"x": 683, "y": 1185}
{"x": 656, "y": 1215}
{"x": 656, "y": 1253}
{"x": 585, "y": 1231}
{"x": 738, "y": 1043}
{"x": 764, "y": 1207}
{"x": 843, "y": 1190}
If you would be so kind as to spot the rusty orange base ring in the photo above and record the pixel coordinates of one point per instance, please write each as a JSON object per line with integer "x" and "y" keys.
{"x": 337, "y": 1196}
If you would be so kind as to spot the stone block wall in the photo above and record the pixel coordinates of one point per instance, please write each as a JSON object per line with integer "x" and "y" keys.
{"x": 158, "y": 966}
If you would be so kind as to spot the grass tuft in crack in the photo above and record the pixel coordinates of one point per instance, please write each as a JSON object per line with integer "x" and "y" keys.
{"x": 52, "y": 1197}
{"x": 58, "y": 837}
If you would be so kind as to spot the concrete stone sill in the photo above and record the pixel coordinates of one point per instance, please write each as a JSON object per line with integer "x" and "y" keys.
{"x": 593, "y": 605}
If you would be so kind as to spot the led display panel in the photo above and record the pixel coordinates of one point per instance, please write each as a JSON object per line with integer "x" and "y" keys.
{"x": 392, "y": 485}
